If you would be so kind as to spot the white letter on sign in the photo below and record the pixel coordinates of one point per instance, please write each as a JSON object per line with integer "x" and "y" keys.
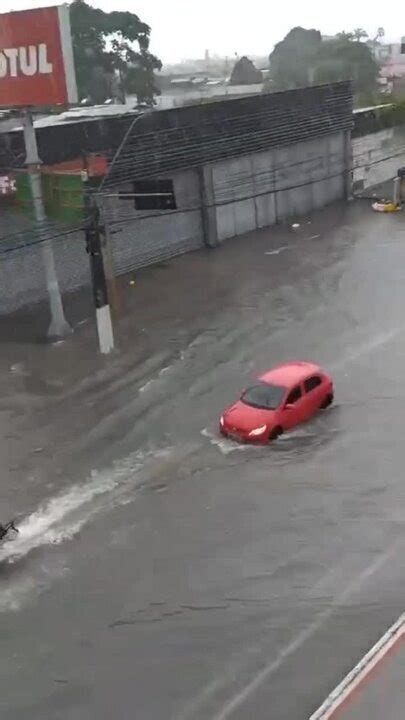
{"x": 12, "y": 54}
{"x": 44, "y": 67}
{"x": 3, "y": 66}
{"x": 28, "y": 67}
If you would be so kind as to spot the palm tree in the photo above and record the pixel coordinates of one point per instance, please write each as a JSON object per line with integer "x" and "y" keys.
{"x": 359, "y": 33}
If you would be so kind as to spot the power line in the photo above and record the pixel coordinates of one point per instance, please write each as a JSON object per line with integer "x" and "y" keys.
{"x": 230, "y": 201}
{"x": 56, "y": 232}
{"x": 190, "y": 154}
{"x": 50, "y": 229}
{"x": 147, "y": 153}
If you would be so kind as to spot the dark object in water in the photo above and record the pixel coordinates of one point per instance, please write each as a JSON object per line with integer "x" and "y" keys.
{"x": 5, "y": 529}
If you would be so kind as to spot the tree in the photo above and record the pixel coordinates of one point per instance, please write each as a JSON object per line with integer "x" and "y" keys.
{"x": 359, "y": 34}
{"x": 111, "y": 50}
{"x": 245, "y": 73}
{"x": 293, "y": 58}
{"x": 303, "y": 58}
{"x": 342, "y": 59}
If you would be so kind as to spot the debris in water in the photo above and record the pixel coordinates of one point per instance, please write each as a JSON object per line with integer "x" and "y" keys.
{"x": 277, "y": 251}
{"x": 314, "y": 237}
{"x": 17, "y": 368}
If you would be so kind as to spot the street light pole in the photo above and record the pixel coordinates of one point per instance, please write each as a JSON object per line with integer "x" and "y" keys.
{"x": 59, "y": 327}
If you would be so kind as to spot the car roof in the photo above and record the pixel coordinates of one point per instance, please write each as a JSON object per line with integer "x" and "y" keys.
{"x": 290, "y": 373}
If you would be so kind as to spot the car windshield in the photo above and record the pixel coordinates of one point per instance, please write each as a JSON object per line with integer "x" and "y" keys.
{"x": 263, "y": 395}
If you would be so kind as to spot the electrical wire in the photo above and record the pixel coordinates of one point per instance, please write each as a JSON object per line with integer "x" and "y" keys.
{"x": 183, "y": 146}
{"x": 49, "y": 229}
{"x": 190, "y": 155}
{"x": 268, "y": 191}
{"x": 39, "y": 234}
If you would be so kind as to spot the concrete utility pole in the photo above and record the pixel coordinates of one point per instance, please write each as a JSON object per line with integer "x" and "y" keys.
{"x": 59, "y": 327}
{"x": 115, "y": 298}
{"x": 94, "y": 248}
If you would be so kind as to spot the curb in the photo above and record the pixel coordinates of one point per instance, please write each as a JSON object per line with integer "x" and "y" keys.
{"x": 340, "y": 695}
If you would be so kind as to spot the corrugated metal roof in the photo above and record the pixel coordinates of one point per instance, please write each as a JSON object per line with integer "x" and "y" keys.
{"x": 82, "y": 114}
{"x": 159, "y": 143}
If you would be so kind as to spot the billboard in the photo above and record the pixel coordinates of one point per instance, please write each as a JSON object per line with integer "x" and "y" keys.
{"x": 36, "y": 58}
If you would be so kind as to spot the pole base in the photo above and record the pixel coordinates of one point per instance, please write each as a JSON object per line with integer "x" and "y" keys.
{"x": 104, "y": 328}
{"x": 58, "y": 331}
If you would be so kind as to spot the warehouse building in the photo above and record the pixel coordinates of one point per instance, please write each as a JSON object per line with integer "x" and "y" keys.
{"x": 195, "y": 176}
{"x": 186, "y": 178}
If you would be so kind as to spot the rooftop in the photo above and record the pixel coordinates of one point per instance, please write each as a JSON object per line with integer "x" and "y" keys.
{"x": 77, "y": 114}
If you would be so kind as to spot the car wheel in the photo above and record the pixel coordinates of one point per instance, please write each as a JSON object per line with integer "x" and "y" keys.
{"x": 328, "y": 401}
{"x": 275, "y": 433}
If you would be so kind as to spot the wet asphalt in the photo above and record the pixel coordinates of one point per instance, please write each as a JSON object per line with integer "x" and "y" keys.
{"x": 165, "y": 573}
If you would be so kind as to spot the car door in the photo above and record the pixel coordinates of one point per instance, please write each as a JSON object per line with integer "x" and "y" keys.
{"x": 314, "y": 388}
{"x": 294, "y": 407}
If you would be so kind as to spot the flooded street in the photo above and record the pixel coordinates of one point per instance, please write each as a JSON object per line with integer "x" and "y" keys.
{"x": 162, "y": 571}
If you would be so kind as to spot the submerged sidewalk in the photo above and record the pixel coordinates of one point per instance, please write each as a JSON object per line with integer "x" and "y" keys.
{"x": 374, "y": 689}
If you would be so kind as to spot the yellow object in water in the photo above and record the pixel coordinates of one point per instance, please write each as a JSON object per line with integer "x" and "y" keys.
{"x": 385, "y": 207}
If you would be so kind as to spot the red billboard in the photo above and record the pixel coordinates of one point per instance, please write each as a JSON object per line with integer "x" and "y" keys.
{"x": 36, "y": 58}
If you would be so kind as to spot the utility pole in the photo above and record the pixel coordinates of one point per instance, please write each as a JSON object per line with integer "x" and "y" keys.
{"x": 114, "y": 294}
{"x": 99, "y": 284}
{"x": 59, "y": 327}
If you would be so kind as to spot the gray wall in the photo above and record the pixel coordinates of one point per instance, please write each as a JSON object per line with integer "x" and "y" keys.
{"x": 22, "y": 278}
{"x": 252, "y": 191}
{"x": 142, "y": 238}
{"x": 377, "y": 157}
{"x": 268, "y": 187}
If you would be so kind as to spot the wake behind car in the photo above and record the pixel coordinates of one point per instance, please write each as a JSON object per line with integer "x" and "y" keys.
{"x": 280, "y": 399}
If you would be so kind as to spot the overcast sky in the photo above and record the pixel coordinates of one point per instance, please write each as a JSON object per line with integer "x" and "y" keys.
{"x": 186, "y": 28}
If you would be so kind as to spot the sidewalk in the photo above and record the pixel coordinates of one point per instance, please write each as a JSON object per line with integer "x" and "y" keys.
{"x": 374, "y": 689}
{"x": 383, "y": 698}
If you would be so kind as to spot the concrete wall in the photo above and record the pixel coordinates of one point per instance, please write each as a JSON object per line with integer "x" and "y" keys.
{"x": 268, "y": 187}
{"x": 22, "y": 278}
{"x": 217, "y": 201}
{"x": 137, "y": 240}
{"x": 377, "y": 157}
{"x": 141, "y": 238}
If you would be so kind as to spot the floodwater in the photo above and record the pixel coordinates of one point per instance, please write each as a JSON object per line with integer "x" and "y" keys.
{"x": 164, "y": 572}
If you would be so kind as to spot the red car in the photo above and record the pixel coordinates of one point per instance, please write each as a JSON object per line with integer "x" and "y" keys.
{"x": 280, "y": 399}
